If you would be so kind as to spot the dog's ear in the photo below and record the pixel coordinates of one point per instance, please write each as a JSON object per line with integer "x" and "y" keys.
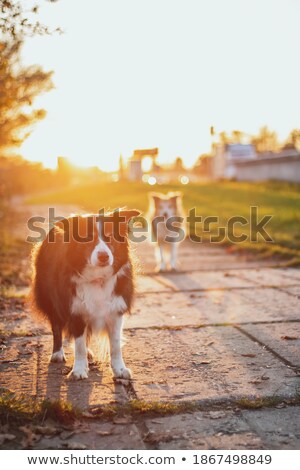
{"x": 129, "y": 220}
{"x": 129, "y": 214}
{"x": 154, "y": 197}
{"x": 174, "y": 196}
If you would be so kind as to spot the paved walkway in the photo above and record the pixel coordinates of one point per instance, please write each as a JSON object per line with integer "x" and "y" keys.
{"x": 221, "y": 332}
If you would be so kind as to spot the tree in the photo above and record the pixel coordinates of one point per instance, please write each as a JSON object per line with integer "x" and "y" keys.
{"x": 18, "y": 20}
{"x": 293, "y": 140}
{"x": 237, "y": 137}
{"x": 178, "y": 164}
{"x": 224, "y": 138}
{"x": 265, "y": 141}
{"x": 18, "y": 88}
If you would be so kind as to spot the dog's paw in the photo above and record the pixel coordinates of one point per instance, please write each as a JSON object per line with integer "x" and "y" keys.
{"x": 80, "y": 370}
{"x": 78, "y": 374}
{"x": 58, "y": 356}
{"x": 90, "y": 355}
{"x": 122, "y": 373}
{"x": 161, "y": 269}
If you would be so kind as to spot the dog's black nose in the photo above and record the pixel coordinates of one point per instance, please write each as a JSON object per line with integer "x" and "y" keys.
{"x": 103, "y": 258}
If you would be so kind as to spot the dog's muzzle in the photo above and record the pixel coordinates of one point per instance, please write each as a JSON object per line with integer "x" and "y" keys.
{"x": 102, "y": 258}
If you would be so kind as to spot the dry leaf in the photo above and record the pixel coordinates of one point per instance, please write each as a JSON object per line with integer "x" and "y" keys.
{"x": 66, "y": 435}
{"x": 74, "y": 445}
{"x": 30, "y": 437}
{"x": 258, "y": 380}
{"x": 123, "y": 420}
{"x": 46, "y": 430}
{"x": 87, "y": 414}
{"x": 104, "y": 433}
{"x": 6, "y": 437}
{"x": 217, "y": 414}
{"x": 153, "y": 437}
{"x": 26, "y": 352}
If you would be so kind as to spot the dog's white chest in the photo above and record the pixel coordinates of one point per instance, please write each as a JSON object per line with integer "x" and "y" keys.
{"x": 94, "y": 301}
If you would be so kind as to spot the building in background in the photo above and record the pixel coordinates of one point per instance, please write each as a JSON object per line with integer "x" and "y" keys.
{"x": 135, "y": 170}
{"x": 225, "y": 157}
{"x": 281, "y": 166}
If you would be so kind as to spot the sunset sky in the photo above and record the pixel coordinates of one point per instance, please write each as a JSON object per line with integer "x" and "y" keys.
{"x": 158, "y": 73}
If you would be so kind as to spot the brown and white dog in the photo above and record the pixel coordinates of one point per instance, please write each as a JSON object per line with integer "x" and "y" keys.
{"x": 163, "y": 214}
{"x": 83, "y": 284}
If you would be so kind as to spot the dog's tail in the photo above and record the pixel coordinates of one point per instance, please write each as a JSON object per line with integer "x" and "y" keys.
{"x": 104, "y": 345}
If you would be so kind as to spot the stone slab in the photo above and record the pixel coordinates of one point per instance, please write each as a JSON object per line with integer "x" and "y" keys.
{"x": 146, "y": 284}
{"x": 200, "y": 280}
{"x": 276, "y": 336}
{"x": 270, "y": 277}
{"x": 210, "y": 307}
{"x": 278, "y": 428}
{"x": 226, "y": 429}
{"x": 102, "y": 436}
{"x": 25, "y": 369}
{"x": 295, "y": 291}
{"x": 293, "y": 273}
{"x": 197, "y": 256}
{"x": 203, "y": 430}
{"x": 206, "y": 363}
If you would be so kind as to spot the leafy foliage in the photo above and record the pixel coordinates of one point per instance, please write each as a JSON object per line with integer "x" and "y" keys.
{"x": 266, "y": 141}
{"x": 17, "y": 20}
{"x": 18, "y": 88}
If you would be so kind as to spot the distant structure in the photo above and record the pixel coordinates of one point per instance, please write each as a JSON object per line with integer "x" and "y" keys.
{"x": 227, "y": 155}
{"x": 282, "y": 166}
{"x": 135, "y": 171}
{"x": 241, "y": 162}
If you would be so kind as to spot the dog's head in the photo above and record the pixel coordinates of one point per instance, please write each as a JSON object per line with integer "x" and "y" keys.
{"x": 165, "y": 205}
{"x": 97, "y": 241}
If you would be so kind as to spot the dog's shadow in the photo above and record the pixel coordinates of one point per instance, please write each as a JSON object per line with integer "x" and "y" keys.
{"x": 98, "y": 389}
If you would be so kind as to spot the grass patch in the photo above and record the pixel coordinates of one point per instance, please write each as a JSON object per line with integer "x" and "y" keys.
{"x": 17, "y": 410}
{"x": 135, "y": 408}
{"x": 22, "y": 409}
{"x": 222, "y": 199}
{"x": 256, "y": 403}
{"x": 140, "y": 408}
{"x": 267, "y": 402}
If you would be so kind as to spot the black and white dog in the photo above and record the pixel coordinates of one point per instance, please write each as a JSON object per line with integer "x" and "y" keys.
{"x": 83, "y": 284}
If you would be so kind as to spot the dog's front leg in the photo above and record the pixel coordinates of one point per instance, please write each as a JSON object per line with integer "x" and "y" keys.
{"x": 80, "y": 367}
{"x": 114, "y": 327}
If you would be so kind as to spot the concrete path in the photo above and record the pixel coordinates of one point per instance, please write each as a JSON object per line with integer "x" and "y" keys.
{"x": 218, "y": 336}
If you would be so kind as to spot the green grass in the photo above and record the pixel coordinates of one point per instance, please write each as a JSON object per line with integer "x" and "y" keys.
{"x": 222, "y": 199}
{"x": 22, "y": 409}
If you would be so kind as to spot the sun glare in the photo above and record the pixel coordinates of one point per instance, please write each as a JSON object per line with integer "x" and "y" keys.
{"x": 152, "y": 180}
{"x": 131, "y": 89}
